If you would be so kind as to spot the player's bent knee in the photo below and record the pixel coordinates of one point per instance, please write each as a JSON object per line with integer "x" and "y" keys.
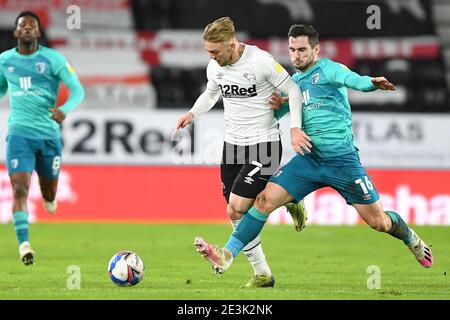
{"x": 264, "y": 204}
{"x": 233, "y": 213}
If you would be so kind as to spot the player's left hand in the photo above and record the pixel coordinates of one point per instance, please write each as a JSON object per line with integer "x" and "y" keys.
{"x": 58, "y": 115}
{"x": 300, "y": 141}
{"x": 382, "y": 83}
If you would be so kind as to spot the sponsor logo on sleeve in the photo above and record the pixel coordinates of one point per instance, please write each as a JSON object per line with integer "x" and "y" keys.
{"x": 279, "y": 67}
{"x": 70, "y": 68}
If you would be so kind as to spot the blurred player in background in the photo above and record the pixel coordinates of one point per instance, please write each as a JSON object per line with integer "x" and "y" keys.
{"x": 32, "y": 74}
{"x": 334, "y": 160}
{"x": 246, "y": 76}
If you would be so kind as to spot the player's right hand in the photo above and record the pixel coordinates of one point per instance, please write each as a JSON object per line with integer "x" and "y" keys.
{"x": 300, "y": 141}
{"x": 185, "y": 120}
{"x": 275, "y": 101}
{"x": 182, "y": 122}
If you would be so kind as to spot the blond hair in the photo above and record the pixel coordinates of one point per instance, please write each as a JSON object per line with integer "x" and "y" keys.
{"x": 220, "y": 30}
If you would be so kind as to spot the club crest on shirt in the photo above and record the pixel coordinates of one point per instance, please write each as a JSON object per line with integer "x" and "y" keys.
{"x": 40, "y": 66}
{"x": 10, "y": 69}
{"x": 315, "y": 77}
{"x": 219, "y": 75}
{"x": 249, "y": 76}
{"x": 14, "y": 163}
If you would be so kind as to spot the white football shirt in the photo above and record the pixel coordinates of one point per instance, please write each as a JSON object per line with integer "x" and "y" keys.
{"x": 245, "y": 87}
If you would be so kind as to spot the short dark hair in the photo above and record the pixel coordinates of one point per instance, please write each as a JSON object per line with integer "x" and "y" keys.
{"x": 298, "y": 30}
{"x": 28, "y": 14}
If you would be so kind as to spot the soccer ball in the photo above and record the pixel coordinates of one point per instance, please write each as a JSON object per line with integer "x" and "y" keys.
{"x": 126, "y": 269}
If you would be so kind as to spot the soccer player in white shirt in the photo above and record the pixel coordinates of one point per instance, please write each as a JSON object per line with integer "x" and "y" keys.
{"x": 246, "y": 76}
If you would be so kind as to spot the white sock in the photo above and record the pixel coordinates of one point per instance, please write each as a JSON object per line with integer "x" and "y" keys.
{"x": 255, "y": 255}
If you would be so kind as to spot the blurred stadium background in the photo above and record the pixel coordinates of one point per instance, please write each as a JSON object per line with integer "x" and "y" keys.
{"x": 143, "y": 65}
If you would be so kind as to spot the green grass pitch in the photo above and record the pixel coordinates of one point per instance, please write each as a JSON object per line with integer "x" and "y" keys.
{"x": 321, "y": 262}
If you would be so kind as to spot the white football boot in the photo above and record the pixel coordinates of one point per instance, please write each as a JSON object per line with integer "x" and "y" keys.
{"x": 50, "y": 206}
{"x": 26, "y": 253}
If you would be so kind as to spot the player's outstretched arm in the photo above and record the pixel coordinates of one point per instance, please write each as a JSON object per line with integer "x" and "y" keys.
{"x": 204, "y": 103}
{"x": 341, "y": 75}
{"x": 382, "y": 83}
